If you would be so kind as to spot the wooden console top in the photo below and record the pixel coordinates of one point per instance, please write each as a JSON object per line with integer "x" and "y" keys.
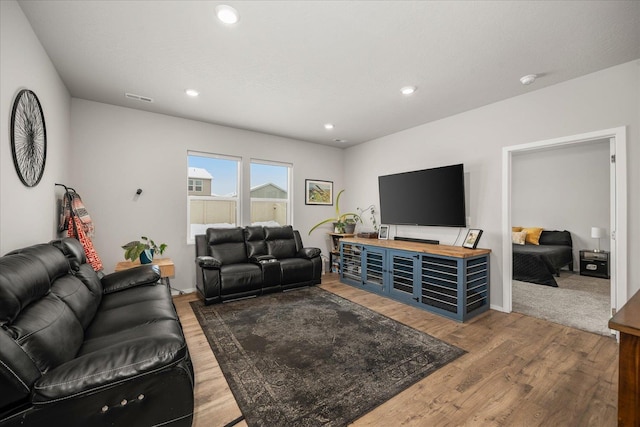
{"x": 444, "y": 250}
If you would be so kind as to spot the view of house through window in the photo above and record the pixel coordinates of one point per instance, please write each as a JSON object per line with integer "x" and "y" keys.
{"x": 270, "y": 201}
{"x": 214, "y": 192}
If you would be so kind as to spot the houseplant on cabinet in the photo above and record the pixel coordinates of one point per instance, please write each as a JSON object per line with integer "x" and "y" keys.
{"x": 340, "y": 221}
{"x": 144, "y": 249}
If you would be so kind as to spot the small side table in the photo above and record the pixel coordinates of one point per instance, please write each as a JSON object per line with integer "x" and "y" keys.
{"x": 594, "y": 263}
{"x": 167, "y": 268}
{"x": 335, "y": 247}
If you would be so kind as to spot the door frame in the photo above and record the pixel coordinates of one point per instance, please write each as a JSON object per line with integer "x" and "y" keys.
{"x": 618, "y": 204}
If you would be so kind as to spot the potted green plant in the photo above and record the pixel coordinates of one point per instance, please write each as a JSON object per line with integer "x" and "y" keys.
{"x": 144, "y": 249}
{"x": 372, "y": 217}
{"x": 340, "y": 221}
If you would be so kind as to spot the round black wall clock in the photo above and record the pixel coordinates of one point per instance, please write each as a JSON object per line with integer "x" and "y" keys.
{"x": 28, "y": 138}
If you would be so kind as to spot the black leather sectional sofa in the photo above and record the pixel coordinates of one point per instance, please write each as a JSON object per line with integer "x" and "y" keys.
{"x": 77, "y": 350}
{"x": 241, "y": 262}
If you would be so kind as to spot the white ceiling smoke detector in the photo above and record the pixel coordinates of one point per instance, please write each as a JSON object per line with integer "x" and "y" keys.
{"x": 528, "y": 79}
{"x": 192, "y": 92}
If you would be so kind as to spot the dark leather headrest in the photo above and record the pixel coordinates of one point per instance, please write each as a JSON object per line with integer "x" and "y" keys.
{"x": 216, "y": 236}
{"x": 73, "y": 250}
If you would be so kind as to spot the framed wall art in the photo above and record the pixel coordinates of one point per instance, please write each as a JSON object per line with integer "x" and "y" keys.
{"x": 318, "y": 192}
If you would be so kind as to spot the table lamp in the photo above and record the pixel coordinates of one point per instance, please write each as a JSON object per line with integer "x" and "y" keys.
{"x": 597, "y": 233}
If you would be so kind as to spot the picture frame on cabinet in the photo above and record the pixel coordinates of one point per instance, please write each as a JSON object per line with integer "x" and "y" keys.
{"x": 383, "y": 233}
{"x": 472, "y": 238}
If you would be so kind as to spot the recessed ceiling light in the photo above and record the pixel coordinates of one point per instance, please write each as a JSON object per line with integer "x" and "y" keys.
{"x": 192, "y": 92}
{"x": 528, "y": 79}
{"x": 408, "y": 90}
{"x": 227, "y": 14}
{"x": 328, "y": 126}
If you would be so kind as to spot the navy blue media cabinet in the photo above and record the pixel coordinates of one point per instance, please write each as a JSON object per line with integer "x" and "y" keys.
{"x": 447, "y": 280}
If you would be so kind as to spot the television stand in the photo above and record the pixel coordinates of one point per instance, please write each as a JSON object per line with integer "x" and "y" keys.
{"x": 447, "y": 280}
{"x": 411, "y": 239}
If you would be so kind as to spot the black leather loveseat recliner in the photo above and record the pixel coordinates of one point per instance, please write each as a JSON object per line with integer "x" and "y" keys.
{"x": 77, "y": 350}
{"x": 241, "y": 262}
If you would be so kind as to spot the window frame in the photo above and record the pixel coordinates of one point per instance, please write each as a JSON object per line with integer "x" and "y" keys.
{"x": 288, "y": 200}
{"x": 237, "y": 198}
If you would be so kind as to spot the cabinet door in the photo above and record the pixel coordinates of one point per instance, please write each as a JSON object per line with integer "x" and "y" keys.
{"x": 477, "y": 285}
{"x": 351, "y": 260}
{"x": 402, "y": 275}
{"x": 374, "y": 268}
{"x": 439, "y": 279}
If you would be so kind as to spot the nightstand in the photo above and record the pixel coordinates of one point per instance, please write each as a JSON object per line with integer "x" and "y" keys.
{"x": 594, "y": 263}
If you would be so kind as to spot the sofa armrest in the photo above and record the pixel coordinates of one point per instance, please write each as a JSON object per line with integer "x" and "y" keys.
{"x": 208, "y": 262}
{"x": 136, "y": 276}
{"x": 308, "y": 253}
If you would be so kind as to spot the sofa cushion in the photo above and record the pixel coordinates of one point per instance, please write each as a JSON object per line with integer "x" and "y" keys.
{"x": 280, "y": 241}
{"x": 54, "y": 262}
{"x": 227, "y": 245}
{"x": 48, "y": 331}
{"x": 130, "y": 354}
{"x": 77, "y": 297}
{"x": 23, "y": 280}
{"x": 238, "y": 278}
{"x": 296, "y": 270}
{"x": 72, "y": 249}
{"x": 130, "y": 309}
{"x": 256, "y": 245}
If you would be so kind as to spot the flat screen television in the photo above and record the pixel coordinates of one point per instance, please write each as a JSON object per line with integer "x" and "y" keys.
{"x": 432, "y": 197}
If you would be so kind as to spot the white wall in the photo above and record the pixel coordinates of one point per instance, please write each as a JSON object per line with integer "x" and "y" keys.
{"x": 28, "y": 215}
{"x": 117, "y": 150}
{"x": 564, "y": 188}
{"x": 602, "y": 100}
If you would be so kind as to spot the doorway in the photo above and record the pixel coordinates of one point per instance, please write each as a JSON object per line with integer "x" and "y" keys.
{"x": 618, "y": 208}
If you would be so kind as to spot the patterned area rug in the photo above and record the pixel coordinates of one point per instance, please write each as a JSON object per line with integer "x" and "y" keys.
{"x": 311, "y": 358}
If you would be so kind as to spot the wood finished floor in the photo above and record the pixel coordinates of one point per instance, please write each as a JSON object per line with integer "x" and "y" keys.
{"x": 519, "y": 371}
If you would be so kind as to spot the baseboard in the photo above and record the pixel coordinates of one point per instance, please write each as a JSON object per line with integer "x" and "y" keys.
{"x": 175, "y": 291}
{"x": 497, "y": 308}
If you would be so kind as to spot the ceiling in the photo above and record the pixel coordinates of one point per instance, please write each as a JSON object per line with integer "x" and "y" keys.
{"x": 288, "y": 67}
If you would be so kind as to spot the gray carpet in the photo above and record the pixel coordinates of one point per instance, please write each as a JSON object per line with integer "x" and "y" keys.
{"x": 581, "y": 302}
{"x": 311, "y": 358}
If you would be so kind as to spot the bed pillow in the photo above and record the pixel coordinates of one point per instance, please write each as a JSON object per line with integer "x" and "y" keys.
{"x": 516, "y": 229}
{"x": 533, "y": 235}
{"x": 518, "y": 237}
{"x": 556, "y": 238}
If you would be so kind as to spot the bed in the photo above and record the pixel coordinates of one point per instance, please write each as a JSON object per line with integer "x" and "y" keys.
{"x": 539, "y": 263}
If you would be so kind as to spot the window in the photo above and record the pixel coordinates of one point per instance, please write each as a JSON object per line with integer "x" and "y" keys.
{"x": 213, "y": 183}
{"x": 270, "y": 195}
{"x": 217, "y": 197}
{"x": 195, "y": 185}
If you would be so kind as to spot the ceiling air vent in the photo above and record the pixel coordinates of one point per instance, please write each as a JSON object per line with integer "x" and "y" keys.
{"x": 138, "y": 97}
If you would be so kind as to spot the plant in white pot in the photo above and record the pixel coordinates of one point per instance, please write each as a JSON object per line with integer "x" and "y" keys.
{"x": 145, "y": 249}
{"x": 340, "y": 221}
